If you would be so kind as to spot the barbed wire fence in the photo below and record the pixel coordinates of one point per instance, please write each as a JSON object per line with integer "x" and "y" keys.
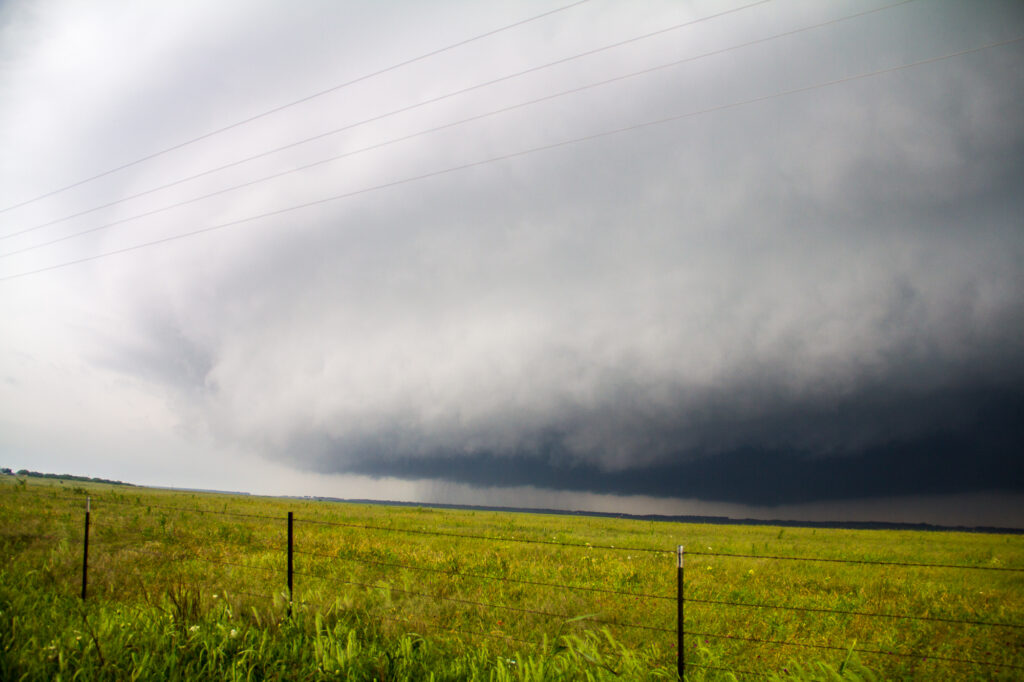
{"x": 284, "y": 576}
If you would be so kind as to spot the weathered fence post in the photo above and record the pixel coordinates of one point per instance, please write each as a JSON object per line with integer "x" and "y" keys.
{"x": 291, "y": 519}
{"x": 680, "y": 621}
{"x": 85, "y": 550}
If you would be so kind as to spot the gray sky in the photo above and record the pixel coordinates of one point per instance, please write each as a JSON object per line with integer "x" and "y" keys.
{"x": 786, "y": 300}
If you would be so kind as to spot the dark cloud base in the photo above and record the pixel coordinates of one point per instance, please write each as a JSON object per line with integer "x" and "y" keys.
{"x": 982, "y": 456}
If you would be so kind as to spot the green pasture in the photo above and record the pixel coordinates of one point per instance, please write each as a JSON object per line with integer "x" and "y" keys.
{"x": 178, "y": 594}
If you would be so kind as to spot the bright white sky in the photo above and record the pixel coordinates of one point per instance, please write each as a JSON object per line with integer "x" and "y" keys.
{"x": 832, "y": 274}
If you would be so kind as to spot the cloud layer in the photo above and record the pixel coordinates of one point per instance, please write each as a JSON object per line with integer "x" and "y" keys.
{"x": 819, "y": 292}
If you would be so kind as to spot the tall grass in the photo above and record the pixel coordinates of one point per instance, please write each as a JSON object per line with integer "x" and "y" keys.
{"x": 177, "y": 594}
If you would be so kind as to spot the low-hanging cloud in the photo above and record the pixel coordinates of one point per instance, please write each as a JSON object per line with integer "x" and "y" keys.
{"x": 692, "y": 321}
{"x": 816, "y": 285}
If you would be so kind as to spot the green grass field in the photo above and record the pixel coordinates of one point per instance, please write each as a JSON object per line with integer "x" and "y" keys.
{"x": 177, "y": 594}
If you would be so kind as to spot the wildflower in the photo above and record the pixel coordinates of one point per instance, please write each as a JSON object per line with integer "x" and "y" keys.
{"x": 214, "y": 596}
{"x": 194, "y": 628}
{"x": 233, "y": 633}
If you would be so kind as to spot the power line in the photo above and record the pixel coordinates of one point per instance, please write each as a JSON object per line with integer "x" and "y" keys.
{"x": 404, "y": 138}
{"x": 504, "y": 157}
{"x": 307, "y": 98}
{"x": 393, "y": 112}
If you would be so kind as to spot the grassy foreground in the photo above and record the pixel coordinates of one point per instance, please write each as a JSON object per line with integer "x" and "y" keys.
{"x": 177, "y": 594}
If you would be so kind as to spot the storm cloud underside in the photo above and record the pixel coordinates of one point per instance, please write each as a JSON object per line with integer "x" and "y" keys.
{"x": 814, "y": 297}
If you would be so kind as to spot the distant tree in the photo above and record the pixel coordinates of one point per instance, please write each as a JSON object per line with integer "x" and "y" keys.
{"x": 23, "y": 472}
{"x": 6, "y": 470}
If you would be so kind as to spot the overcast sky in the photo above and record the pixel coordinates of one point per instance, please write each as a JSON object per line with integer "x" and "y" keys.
{"x": 739, "y": 262}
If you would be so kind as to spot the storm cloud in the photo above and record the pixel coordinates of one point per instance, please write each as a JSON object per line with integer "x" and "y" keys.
{"x": 812, "y": 296}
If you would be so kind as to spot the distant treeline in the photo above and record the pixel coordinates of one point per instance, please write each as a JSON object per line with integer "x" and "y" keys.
{"x": 66, "y": 477}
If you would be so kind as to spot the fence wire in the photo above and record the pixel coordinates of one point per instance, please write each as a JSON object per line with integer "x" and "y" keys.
{"x": 504, "y": 607}
{"x": 869, "y": 614}
{"x": 269, "y": 573}
{"x": 437, "y": 626}
{"x": 832, "y": 647}
{"x": 190, "y": 510}
{"x": 491, "y": 538}
{"x": 734, "y": 671}
{"x": 871, "y": 562}
{"x": 481, "y": 576}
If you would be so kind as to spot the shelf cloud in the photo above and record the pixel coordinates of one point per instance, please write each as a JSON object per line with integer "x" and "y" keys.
{"x": 814, "y": 296}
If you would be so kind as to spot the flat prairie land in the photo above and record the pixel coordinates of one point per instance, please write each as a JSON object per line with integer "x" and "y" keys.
{"x": 188, "y": 585}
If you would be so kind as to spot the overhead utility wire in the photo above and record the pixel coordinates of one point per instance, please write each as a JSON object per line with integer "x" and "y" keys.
{"x": 307, "y": 98}
{"x": 401, "y": 110}
{"x": 524, "y": 152}
{"x": 407, "y": 108}
{"x": 404, "y": 138}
